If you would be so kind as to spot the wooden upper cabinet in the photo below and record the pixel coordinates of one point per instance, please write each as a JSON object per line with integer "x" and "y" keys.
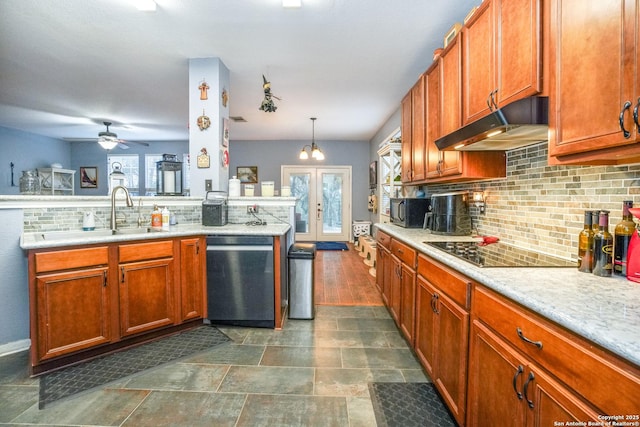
{"x": 593, "y": 82}
{"x": 501, "y": 55}
{"x": 451, "y": 87}
{"x": 405, "y": 130}
{"x": 418, "y": 130}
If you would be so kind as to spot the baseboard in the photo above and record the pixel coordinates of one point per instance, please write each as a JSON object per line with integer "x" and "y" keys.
{"x": 14, "y": 347}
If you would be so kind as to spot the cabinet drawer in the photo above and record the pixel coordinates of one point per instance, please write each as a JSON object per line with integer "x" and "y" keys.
{"x": 606, "y": 381}
{"x": 71, "y": 258}
{"x": 143, "y": 251}
{"x": 383, "y": 239}
{"x": 455, "y": 286}
{"x": 405, "y": 253}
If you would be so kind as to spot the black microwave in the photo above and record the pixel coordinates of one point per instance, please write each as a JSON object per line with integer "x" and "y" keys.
{"x": 409, "y": 212}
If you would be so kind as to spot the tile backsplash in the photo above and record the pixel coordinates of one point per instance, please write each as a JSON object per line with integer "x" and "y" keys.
{"x": 541, "y": 207}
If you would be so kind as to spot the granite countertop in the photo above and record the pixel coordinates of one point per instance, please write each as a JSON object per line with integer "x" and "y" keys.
{"x": 603, "y": 310}
{"x": 53, "y": 239}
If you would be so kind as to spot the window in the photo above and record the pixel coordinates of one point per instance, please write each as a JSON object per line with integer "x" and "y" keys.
{"x": 129, "y": 165}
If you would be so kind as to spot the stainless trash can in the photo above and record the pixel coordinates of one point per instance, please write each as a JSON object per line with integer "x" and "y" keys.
{"x": 301, "y": 281}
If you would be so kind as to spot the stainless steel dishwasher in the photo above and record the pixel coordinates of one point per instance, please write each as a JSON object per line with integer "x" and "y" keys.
{"x": 240, "y": 280}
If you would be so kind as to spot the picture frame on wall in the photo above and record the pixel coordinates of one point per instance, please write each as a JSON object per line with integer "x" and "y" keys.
{"x": 247, "y": 174}
{"x": 88, "y": 177}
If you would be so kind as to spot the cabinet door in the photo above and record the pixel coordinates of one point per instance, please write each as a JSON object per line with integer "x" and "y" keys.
{"x": 518, "y": 49}
{"x": 479, "y": 63}
{"x": 406, "y": 139}
{"x": 451, "y": 87}
{"x": 395, "y": 291}
{"x": 384, "y": 273}
{"x": 72, "y": 311}
{"x": 593, "y": 67}
{"x": 192, "y": 278}
{"x": 407, "y": 302}
{"x": 146, "y": 296}
{"x": 549, "y": 402}
{"x": 452, "y": 337}
{"x": 425, "y": 343}
{"x": 418, "y": 130}
{"x": 496, "y": 380}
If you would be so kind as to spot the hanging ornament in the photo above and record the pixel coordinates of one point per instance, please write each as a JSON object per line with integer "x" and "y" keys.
{"x": 204, "y": 122}
{"x": 224, "y": 158}
{"x": 267, "y": 103}
{"x": 203, "y": 90}
{"x": 203, "y": 158}
{"x": 225, "y": 97}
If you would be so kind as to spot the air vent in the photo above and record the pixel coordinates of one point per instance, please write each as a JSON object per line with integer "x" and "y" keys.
{"x": 238, "y": 119}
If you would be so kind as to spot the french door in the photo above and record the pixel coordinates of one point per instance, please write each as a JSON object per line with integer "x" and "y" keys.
{"x": 323, "y": 208}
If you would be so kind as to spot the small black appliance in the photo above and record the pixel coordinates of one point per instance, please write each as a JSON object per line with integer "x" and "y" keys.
{"x": 409, "y": 212}
{"x": 214, "y": 209}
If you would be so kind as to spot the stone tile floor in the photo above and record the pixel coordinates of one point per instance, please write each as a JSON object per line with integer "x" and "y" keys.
{"x": 311, "y": 373}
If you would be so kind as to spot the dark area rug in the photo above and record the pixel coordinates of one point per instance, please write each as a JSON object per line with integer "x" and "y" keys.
{"x": 331, "y": 246}
{"x": 409, "y": 404}
{"x": 105, "y": 369}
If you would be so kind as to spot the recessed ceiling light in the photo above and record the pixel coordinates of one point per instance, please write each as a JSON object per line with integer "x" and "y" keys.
{"x": 291, "y": 3}
{"x": 145, "y": 5}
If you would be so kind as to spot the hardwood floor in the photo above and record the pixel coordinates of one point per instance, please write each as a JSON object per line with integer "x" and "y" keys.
{"x": 342, "y": 278}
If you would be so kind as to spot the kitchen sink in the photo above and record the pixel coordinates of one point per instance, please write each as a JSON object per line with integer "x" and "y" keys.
{"x": 72, "y": 235}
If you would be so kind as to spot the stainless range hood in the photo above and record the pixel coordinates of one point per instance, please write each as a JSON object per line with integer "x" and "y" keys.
{"x": 516, "y": 125}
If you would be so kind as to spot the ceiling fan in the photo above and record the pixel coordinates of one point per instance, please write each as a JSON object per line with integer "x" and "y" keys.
{"x": 108, "y": 140}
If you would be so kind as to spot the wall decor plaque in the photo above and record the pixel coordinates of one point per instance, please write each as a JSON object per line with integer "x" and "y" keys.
{"x": 203, "y": 160}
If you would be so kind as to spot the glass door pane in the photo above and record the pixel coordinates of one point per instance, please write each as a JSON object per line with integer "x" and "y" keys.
{"x": 299, "y": 183}
{"x": 331, "y": 203}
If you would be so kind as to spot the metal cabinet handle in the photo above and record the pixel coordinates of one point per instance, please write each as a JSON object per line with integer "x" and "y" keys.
{"x": 122, "y": 270}
{"x": 635, "y": 114}
{"x": 526, "y": 387}
{"x": 197, "y": 248}
{"x": 434, "y": 302}
{"x": 625, "y": 107}
{"x": 104, "y": 278}
{"x": 515, "y": 379}
{"x": 527, "y": 340}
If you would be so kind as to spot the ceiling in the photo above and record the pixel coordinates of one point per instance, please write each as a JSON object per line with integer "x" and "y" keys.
{"x": 68, "y": 65}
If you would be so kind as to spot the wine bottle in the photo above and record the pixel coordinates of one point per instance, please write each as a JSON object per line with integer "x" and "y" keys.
{"x": 603, "y": 247}
{"x": 585, "y": 245}
{"x": 622, "y": 235}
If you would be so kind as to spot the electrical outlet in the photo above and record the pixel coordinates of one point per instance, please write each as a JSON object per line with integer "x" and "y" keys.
{"x": 252, "y": 209}
{"x": 208, "y": 186}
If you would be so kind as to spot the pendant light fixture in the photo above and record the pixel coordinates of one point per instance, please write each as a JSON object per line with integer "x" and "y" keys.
{"x": 316, "y": 153}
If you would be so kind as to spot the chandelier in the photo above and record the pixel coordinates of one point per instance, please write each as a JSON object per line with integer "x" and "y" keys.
{"x": 316, "y": 153}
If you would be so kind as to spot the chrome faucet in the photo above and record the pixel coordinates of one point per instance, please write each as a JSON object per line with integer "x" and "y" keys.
{"x": 114, "y": 225}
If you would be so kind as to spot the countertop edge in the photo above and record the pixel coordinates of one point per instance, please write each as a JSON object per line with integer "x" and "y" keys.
{"x": 29, "y": 241}
{"x": 606, "y": 311}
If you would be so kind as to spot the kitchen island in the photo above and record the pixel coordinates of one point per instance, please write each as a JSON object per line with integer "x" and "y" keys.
{"x": 92, "y": 292}
{"x": 532, "y": 345}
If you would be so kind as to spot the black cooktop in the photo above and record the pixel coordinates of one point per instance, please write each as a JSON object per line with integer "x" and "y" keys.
{"x": 500, "y": 255}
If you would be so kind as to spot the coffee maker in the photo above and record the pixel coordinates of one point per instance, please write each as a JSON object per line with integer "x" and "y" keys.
{"x": 633, "y": 252}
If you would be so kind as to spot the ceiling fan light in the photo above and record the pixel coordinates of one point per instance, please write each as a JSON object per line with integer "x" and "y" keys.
{"x": 107, "y": 143}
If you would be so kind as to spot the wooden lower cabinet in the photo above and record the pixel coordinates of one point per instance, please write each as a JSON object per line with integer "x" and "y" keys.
{"x": 506, "y": 389}
{"x": 70, "y": 301}
{"x": 73, "y": 311}
{"x": 384, "y": 266}
{"x": 193, "y": 270}
{"x": 442, "y": 335}
{"x": 146, "y": 296}
{"x": 87, "y": 299}
{"x": 407, "y": 298}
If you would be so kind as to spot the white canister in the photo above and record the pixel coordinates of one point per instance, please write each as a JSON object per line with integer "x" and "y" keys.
{"x": 248, "y": 190}
{"x": 267, "y": 188}
{"x": 234, "y": 187}
{"x": 88, "y": 221}
{"x": 285, "y": 191}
